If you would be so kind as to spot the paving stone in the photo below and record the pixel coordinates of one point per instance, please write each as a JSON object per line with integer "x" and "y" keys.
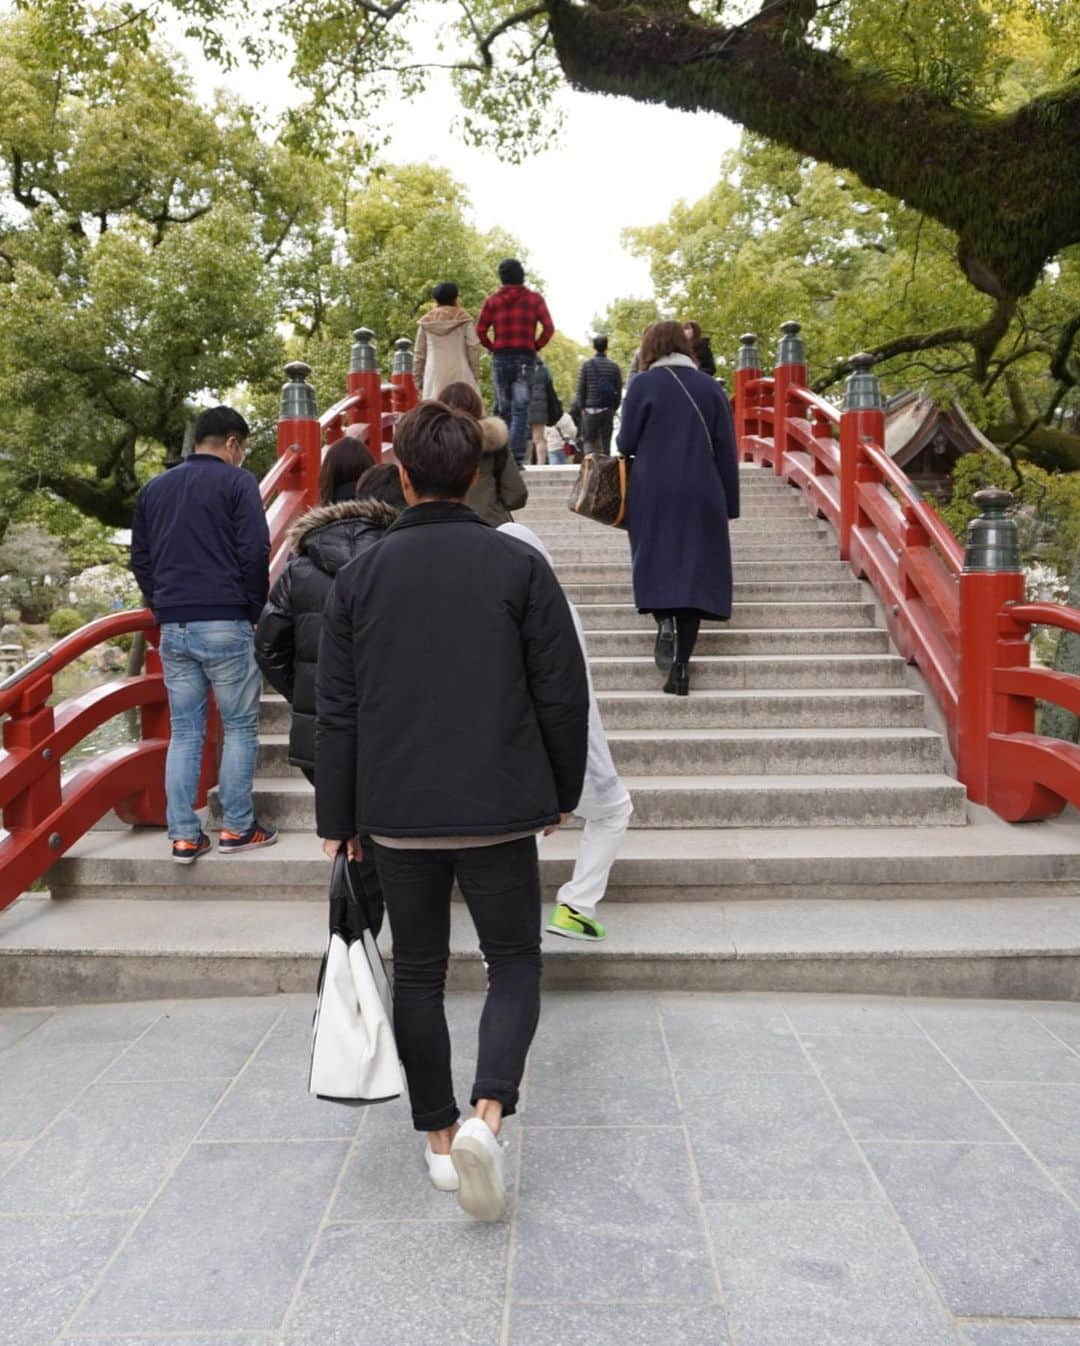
{"x": 15, "y": 1025}
{"x": 1020, "y": 1334}
{"x": 820, "y": 1274}
{"x": 1046, "y": 1117}
{"x": 617, "y": 1325}
{"x": 996, "y": 1234}
{"x": 831, "y": 1018}
{"x": 760, "y": 1138}
{"x": 47, "y": 1264}
{"x": 200, "y": 1339}
{"x": 900, "y": 1089}
{"x": 617, "y": 1202}
{"x": 386, "y": 1177}
{"x": 110, "y": 1152}
{"x": 403, "y": 1286}
{"x": 101, "y": 1023}
{"x": 35, "y": 1086}
{"x": 222, "y": 1246}
{"x": 711, "y": 1035}
{"x": 999, "y": 1044}
{"x": 8, "y": 1155}
{"x": 200, "y": 1040}
{"x": 273, "y": 1103}
{"x": 1061, "y": 1020}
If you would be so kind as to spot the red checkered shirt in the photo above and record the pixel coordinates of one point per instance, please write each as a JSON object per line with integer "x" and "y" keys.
{"x": 514, "y": 312}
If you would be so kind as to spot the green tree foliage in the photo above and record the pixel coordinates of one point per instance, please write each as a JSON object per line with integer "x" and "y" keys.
{"x": 32, "y": 572}
{"x": 564, "y": 357}
{"x": 623, "y": 323}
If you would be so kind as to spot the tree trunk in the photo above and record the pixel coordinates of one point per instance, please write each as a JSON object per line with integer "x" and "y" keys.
{"x": 1008, "y": 186}
{"x": 1054, "y": 720}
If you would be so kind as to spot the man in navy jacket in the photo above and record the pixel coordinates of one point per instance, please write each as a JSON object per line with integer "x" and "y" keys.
{"x": 200, "y": 550}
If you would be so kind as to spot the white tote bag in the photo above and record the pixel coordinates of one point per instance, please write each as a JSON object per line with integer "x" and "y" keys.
{"x": 354, "y": 1057}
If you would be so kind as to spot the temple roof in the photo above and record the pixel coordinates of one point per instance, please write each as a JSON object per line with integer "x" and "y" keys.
{"x": 914, "y": 422}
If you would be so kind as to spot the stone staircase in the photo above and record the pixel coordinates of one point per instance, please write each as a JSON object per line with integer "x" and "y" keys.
{"x": 795, "y": 824}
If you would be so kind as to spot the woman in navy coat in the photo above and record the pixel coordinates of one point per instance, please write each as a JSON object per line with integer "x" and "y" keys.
{"x": 677, "y": 427}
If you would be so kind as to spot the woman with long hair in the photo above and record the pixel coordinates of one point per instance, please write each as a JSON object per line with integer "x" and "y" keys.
{"x": 343, "y": 464}
{"x": 678, "y": 429}
{"x": 500, "y": 487}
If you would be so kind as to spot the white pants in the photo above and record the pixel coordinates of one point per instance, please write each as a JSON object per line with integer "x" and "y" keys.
{"x": 605, "y": 826}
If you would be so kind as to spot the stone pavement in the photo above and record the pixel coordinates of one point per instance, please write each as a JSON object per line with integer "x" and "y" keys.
{"x": 689, "y": 1170}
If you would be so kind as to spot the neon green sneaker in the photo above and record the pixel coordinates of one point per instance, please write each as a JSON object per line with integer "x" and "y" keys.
{"x": 566, "y": 921}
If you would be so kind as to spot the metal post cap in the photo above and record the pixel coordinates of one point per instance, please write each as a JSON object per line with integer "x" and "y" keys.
{"x": 749, "y": 356}
{"x": 298, "y": 396}
{"x": 362, "y": 356}
{"x": 403, "y": 356}
{"x": 862, "y": 392}
{"x": 993, "y": 539}
{"x": 792, "y": 349}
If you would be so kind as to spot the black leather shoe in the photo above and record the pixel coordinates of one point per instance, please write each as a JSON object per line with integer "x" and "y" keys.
{"x": 678, "y": 683}
{"x": 664, "y": 652}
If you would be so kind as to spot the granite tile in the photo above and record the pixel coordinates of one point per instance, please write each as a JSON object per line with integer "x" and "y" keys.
{"x": 35, "y": 1087}
{"x": 999, "y": 1044}
{"x": 272, "y": 1103}
{"x": 759, "y": 1138}
{"x": 47, "y": 1264}
{"x": 206, "y": 1039}
{"x": 839, "y": 1017}
{"x": 620, "y": 1202}
{"x": 994, "y": 1231}
{"x": 821, "y": 1274}
{"x": 1020, "y": 1334}
{"x": 714, "y": 1036}
{"x": 1046, "y": 1118}
{"x": 111, "y": 1152}
{"x": 403, "y": 1286}
{"x": 100, "y": 1023}
{"x": 223, "y": 1244}
{"x": 618, "y": 1325}
{"x": 900, "y": 1089}
{"x": 17, "y": 1024}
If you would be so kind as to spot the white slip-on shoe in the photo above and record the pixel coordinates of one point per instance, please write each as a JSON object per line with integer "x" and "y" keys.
{"x": 478, "y": 1158}
{"x": 441, "y": 1170}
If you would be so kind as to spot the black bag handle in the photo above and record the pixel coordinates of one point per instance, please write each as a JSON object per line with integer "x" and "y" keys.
{"x": 341, "y": 878}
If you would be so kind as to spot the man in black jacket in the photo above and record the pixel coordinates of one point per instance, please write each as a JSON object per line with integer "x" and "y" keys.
{"x": 599, "y": 393}
{"x": 200, "y": 550}
{"x": 452, "y": 727}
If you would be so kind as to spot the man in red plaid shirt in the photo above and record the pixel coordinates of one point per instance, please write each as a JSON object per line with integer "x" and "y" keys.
{"x": 515, "y": 313}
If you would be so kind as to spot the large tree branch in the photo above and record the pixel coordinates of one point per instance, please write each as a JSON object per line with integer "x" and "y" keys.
{"x": 903, "y": 345}
{"x": 984, "y": 177}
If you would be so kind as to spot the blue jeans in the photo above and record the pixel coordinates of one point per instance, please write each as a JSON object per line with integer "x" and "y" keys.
{"x": 513, "y": 392}
{"x": 198, "y": 657}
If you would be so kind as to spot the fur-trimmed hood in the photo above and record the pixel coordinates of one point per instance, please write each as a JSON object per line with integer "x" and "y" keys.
{"x": 328, "y": 535}
{"x": 496, "y": 435}
{"x": 444, "y": 320}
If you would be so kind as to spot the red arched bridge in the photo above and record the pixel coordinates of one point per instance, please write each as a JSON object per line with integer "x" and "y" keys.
{"x": 959, "y": 616}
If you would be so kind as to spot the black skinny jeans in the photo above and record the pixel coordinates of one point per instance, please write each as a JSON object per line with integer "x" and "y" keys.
{"x": 501, "y": 886}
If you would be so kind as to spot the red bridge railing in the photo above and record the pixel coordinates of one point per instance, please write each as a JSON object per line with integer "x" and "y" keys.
{"x": 45, "y": 811}
{"x": 958, "y": 614}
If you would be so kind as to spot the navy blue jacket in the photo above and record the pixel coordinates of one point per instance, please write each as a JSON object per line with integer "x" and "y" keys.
{"x": 200, "y": 548}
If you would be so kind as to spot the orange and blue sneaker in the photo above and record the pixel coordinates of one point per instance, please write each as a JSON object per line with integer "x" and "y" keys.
{"x": 256, "y": 835}
{"x": 186, "y": 852}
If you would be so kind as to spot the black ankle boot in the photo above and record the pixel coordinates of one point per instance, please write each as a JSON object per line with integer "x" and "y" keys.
{"x": 664, "y": 653}
{"x": 678, "y": 683}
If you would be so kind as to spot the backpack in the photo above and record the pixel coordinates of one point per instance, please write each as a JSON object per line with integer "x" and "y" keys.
{"x": 606, "y": 392}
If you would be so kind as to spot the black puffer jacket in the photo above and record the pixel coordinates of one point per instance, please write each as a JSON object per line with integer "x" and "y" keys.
{"x": 452, "y": 697}
{"x": 287, "y": 637}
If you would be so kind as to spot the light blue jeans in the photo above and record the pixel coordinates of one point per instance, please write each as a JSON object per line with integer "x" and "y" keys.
{"x": 198, "y": 657}
{"x": 513, "y": 375}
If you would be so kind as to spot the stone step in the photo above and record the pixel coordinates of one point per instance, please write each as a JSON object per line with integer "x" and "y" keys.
{"x": 755, "y": 672}
{"x": 618, "y": 616}
{"x": 826, "y": 800}
{"x": 722, "y": 640}
{"x": 559, "y": 530}
{"x": 613, "y": 548}
{"x": 728, "y": 752}
{"x": 1027, "y": 946}
{"x": 656, "y": 866}
{"x": 774, "y": 591}
{"x": 745, "y": 572}
{"x": 541, "y": 513}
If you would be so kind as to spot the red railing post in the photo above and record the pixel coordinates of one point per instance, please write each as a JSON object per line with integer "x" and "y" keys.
{"x": 747, "y": 370}
{"x": 992, "y": 577}
{"x": 147, "y": 807}
{"x": 790, "y": 371}
{"x": 405, "y": 395}
{"x": 862, "y": 419}
{"x": 364, "y": 380}
{"x": 298, "y": 429}
{"x": 29, "y": 724}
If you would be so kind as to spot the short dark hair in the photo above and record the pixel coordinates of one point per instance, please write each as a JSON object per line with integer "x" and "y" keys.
{"x": 663, "y": 338}
{"x": 511, "y": 272}
{"x": 217, "y": 422}
{"x": 446, "y": 292}
{"x": 599, "y": 344}
{"x": 382, "y": 482}
{"x": 462, "y": 397}
{"x": 345, "y": 461}
{"x": 440, "y": 449}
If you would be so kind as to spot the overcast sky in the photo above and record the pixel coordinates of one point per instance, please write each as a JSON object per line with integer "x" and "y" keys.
{"x": 617, "y": 163}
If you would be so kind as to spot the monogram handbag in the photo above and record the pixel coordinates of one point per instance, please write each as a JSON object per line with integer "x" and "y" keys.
{"x": 602, "y": 489}
{"x": 354, "y": 1056}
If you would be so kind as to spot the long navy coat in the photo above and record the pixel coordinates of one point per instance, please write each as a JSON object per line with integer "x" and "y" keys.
{"x": 684, "y": 489}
